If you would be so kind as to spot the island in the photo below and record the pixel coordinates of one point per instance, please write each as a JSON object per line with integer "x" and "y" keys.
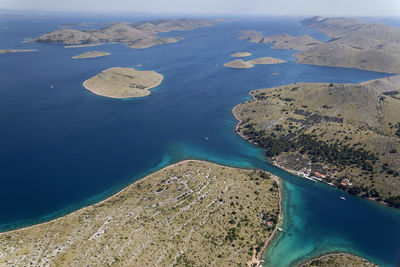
{"x": 241, "y": 54}
{"x": 123, "y": 82}
{"x": 139, "y": 35}
{"x": 353, "y": 44}
{"x": 5, "y": 51}
{"x": 193, "y": 213}
{"x": 91, "y": 54}
{"x": 345, "y": 135}
{"x": 84, "y": 45}
{"x": 241, "y": 64}
{"x": 281, "y": 41}
{"x": 338, "y": 259}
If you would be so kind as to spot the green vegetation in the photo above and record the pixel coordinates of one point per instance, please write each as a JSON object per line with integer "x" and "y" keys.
{"x": 319, "y": 151}
{"x": 347, "y": 133}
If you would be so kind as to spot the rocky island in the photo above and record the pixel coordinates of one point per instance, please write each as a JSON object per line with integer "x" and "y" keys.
{"x": 123, "y": 82}
{"x": 140, "y": 35}
{"x": 241, "y": 54}
{"x": 281, "y": 41}
{"x": 91, "y": 54}
{"x": 353, "y": 44}
{"x": 164, "y": 219}
{"x": 5, "y": 51}
{"x": 241, "y": 64}
{"x": 346, "y": 135}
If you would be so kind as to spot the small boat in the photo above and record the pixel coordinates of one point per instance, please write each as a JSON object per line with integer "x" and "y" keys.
{"x": 206, "y": 138}
{"x": 52, "y": 86}
{"x": 342, "y": 198}
{"x": 280, "y": 229}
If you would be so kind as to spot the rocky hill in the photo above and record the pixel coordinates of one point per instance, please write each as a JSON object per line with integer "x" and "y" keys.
{"x": 189, "y": 214}
{"x": 350, "y": 133}
{"x": 141, "y": 35}
{"x": 353, "y": 44}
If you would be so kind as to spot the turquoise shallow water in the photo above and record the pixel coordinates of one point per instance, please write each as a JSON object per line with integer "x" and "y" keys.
{"x": 63, "y": 148}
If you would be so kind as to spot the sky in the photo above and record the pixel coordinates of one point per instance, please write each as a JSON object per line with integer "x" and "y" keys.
{"x": 235, "y": 7}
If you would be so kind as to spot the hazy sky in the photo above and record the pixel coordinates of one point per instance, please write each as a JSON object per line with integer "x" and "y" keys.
{"x": 246, "y": 7}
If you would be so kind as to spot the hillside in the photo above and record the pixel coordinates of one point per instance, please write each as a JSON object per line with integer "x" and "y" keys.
{"x": 353, "y": 44}
{"x": 350, "y": 133}
{"x": 141, "y": 35}
{"x": 281, "y": 41}
{"x": 190, "y": 214}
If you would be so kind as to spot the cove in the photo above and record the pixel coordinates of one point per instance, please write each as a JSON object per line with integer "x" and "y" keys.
{"x": 63, "y": 148}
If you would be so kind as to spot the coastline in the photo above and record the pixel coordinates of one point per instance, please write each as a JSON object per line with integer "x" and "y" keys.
{"x": 104, "y": 200}
{"x": 238, "y": 124}
{"x": 260, "y": 254}
{"x": 305, "y": 263}
{"x": 293, "y": 172}
{"x": 99, "y": 215}
{"x": 147, "y": 90}
{"x": 278, "y": 224}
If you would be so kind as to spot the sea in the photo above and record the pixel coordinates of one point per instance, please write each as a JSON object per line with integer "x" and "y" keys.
{"x": 63, "y": 148}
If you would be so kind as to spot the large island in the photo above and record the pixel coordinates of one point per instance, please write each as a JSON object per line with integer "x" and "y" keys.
{"x": 123, "y": 82}
{"x": 347, "y": 135}
{"x": 353, "y": 44}
{"x": 190, "y": 214}
{"x": 140, "y": 35}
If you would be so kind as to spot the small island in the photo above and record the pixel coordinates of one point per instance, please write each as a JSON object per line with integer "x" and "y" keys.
{"x": 241, "y": 54}
{"x": 91, "y": 54}
{"x": 345, "y": 135}
{"x": 338, "y": 259}
{"x": 164, "y": 219}
{"x": 238, "y": 64}
{"x": 5, "y": 51}
{"x": 83, "y": 45}
{"x": 123, "y": 82}
{"x": 241, "y": 64}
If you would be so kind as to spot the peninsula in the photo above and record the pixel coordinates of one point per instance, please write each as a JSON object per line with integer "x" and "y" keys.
{"x": 338, "y": 259}
{"x": 91, "y": 54}
{"x": 353, "y": 44}
{"x": 164, "y": 219}
{"x": 241, "y": 64}
{"x": 140, "y": 35}
{"x": 346, "y": 135}
{"x": 123, "y": 82}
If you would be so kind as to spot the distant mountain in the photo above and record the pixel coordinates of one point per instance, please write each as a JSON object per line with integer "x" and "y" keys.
{"x": 140, "y": 35}
{"x": 354, "y": 44}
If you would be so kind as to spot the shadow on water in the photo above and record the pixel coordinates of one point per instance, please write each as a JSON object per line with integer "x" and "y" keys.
{"x": 63, "y": 148}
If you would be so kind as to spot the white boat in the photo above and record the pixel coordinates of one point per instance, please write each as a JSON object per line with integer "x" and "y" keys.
{"x": 52, "y": 86}
{"x": 342, "y": 198}
{"x": 206, "y": 138}
{"x": 280, "y": 229}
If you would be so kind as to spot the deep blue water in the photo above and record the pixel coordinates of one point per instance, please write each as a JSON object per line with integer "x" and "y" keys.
{"x": 63, "y": 148}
